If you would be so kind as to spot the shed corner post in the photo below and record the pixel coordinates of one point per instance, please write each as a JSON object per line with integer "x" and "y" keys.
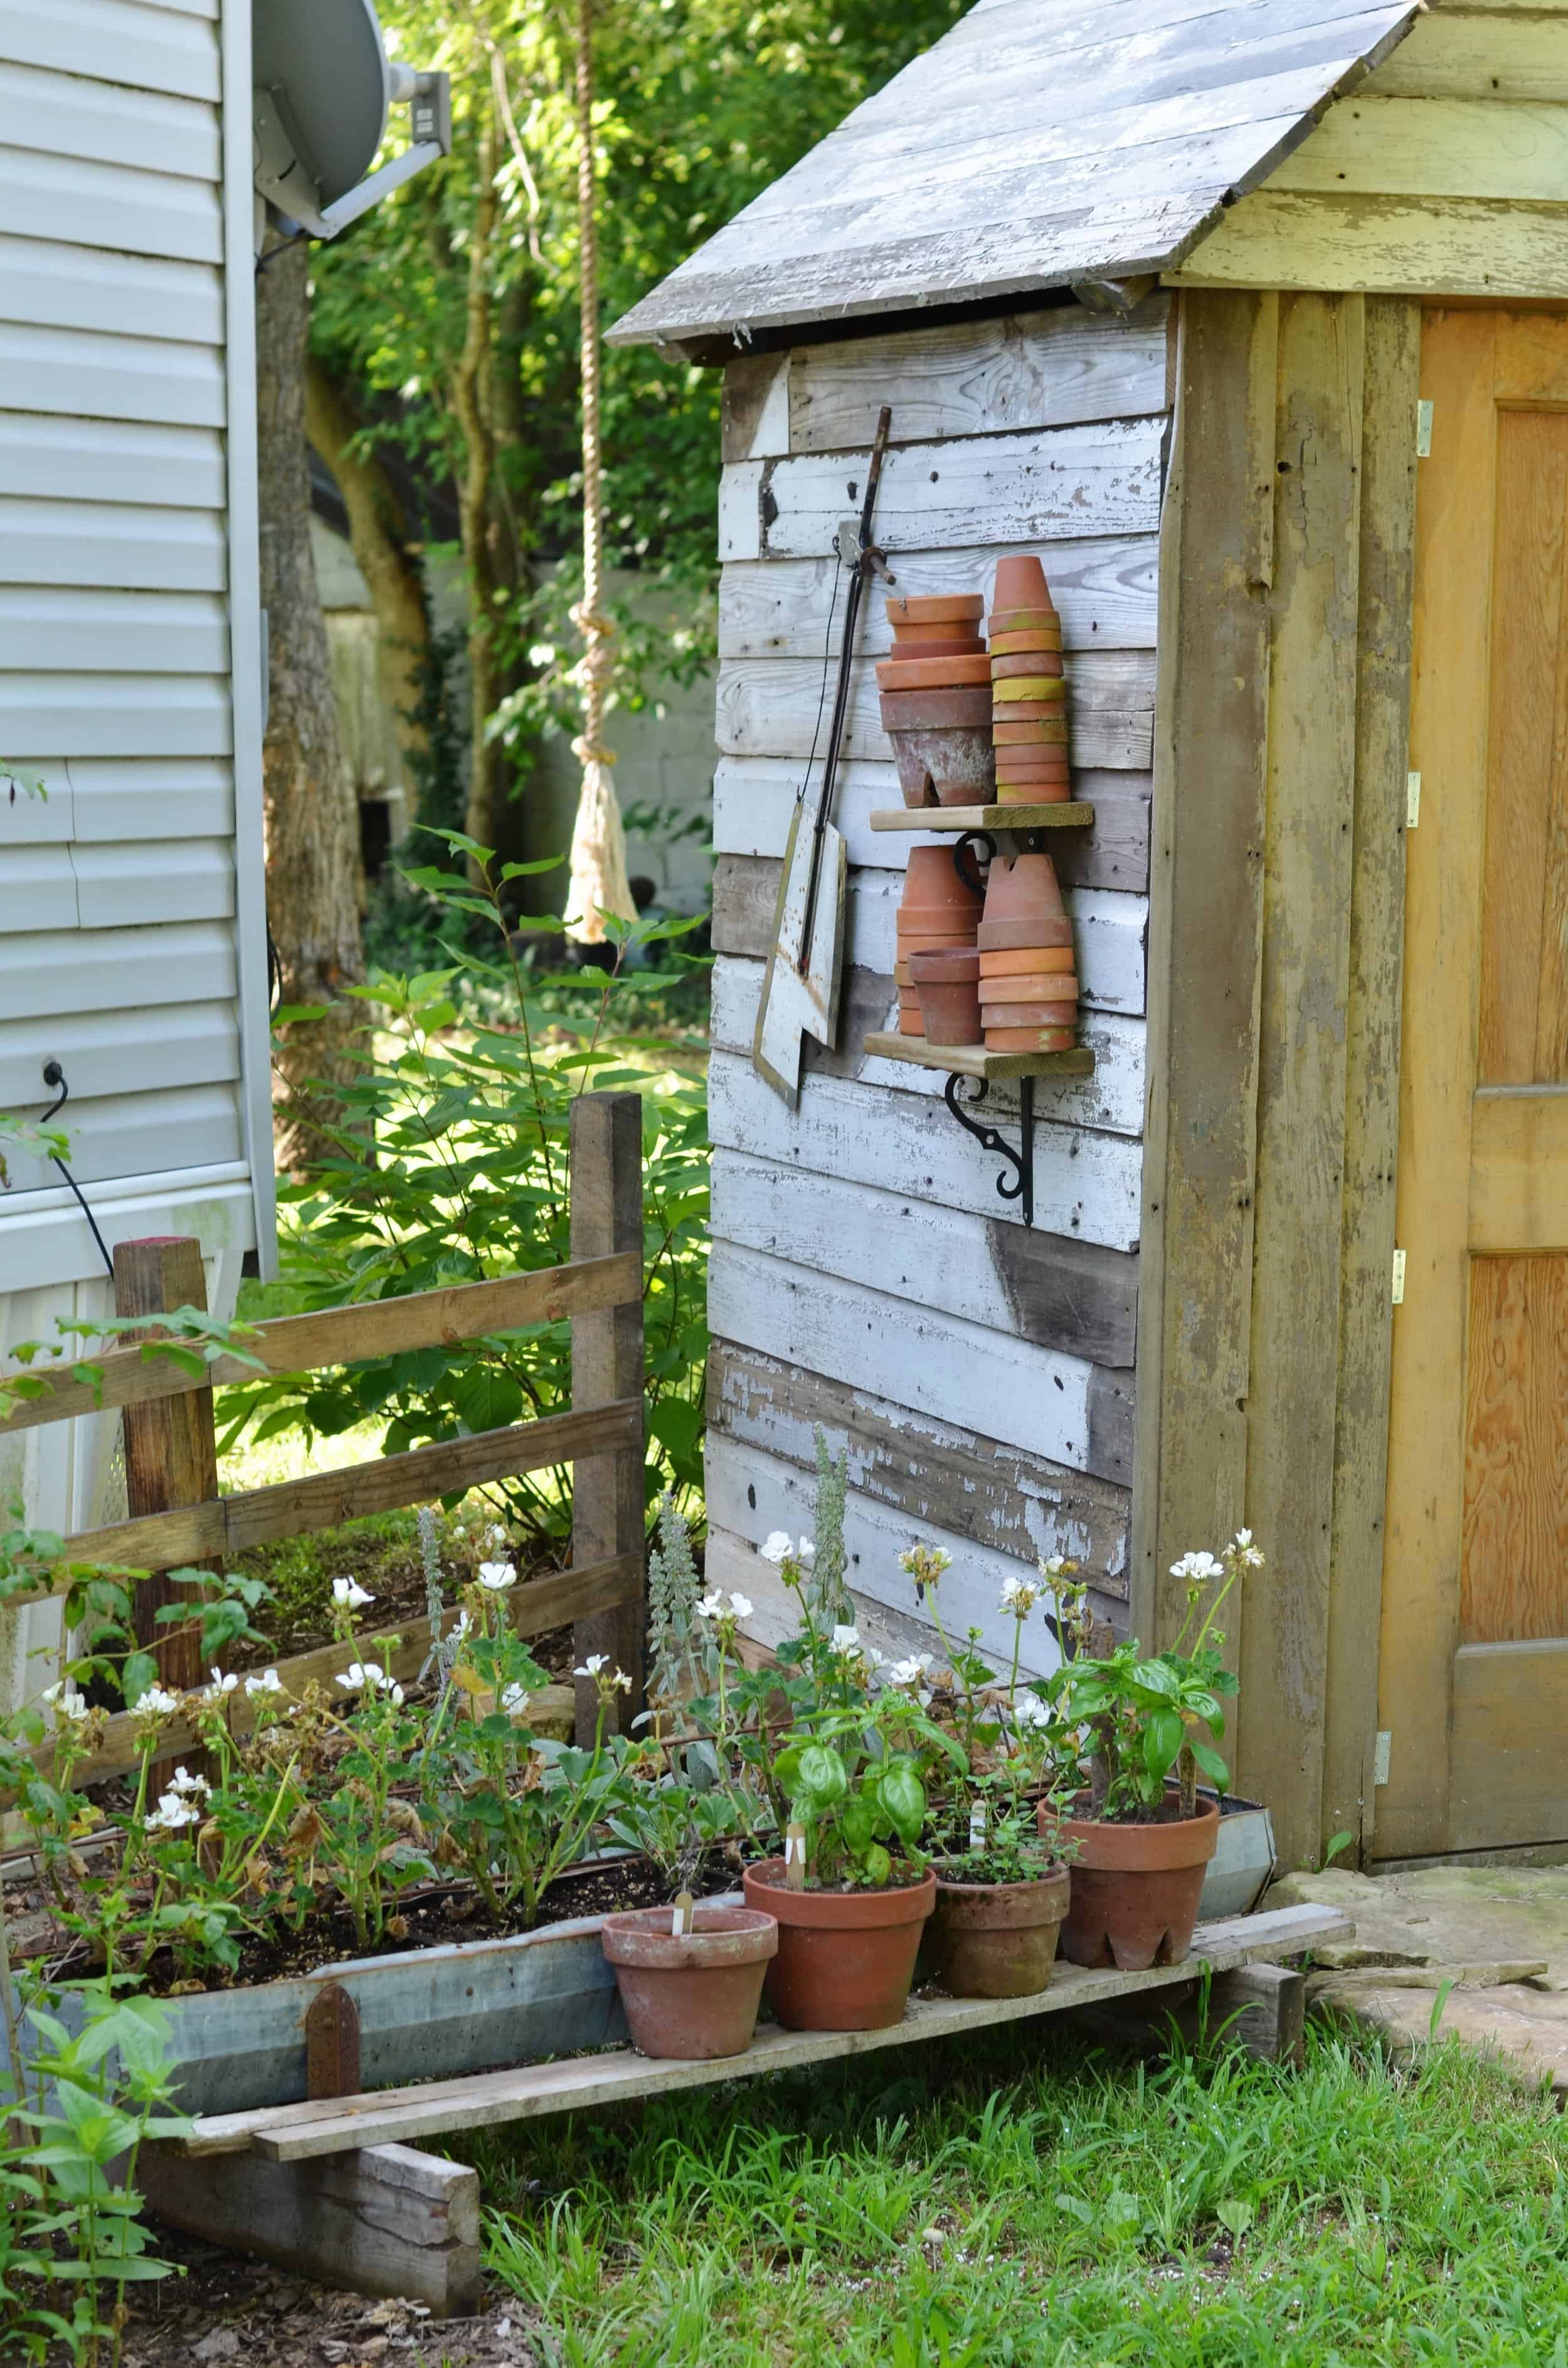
{"x": 171, "y": 1451}
{"x": 607, "y": 1367}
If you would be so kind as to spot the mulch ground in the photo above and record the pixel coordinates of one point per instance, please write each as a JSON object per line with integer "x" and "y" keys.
{"x": 226, "y": 2309}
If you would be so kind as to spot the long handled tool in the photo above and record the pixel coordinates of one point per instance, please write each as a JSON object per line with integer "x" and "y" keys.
{"x": 805, "y": 969}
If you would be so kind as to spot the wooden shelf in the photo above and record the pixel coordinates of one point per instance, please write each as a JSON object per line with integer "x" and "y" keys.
{"x": 1067, "y": 814}
{"x": 974, "y": 1060}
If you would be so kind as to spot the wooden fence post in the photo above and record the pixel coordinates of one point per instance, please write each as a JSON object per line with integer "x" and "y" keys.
{"x": 171, "y": 1449}
{"x": 607, "y": 1364}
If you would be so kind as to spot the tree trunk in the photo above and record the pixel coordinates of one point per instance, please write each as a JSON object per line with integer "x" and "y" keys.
{"x": 396, "y": 587}
{"x": 486, "y": 820}
{"x": 312, "y": 817}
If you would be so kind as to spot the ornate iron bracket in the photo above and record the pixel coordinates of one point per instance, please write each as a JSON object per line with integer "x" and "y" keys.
{"x": 1016, "y": 1180}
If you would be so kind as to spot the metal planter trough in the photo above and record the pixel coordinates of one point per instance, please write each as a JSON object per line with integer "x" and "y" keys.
{"x": 1243, "y": 1861}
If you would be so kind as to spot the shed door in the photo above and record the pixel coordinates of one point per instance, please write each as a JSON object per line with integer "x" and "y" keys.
{"x": 1473, "y": 1679}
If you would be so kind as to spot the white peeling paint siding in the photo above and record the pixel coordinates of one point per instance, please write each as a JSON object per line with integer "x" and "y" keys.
{"x": 131, "y": 920}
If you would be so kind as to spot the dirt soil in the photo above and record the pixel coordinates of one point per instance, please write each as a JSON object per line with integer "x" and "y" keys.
{"x": 226, "y": 2309}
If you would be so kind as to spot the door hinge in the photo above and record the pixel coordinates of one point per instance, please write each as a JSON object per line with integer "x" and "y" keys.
{"x": 1399, "y": 1278}
{"x": 1381, "y": 1751}
{"x": 1412, "y": 800}
{"x": 1423, "y": 431}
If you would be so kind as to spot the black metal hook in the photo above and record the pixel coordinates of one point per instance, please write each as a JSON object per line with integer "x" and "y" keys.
{"x": 1020, "y": 1163}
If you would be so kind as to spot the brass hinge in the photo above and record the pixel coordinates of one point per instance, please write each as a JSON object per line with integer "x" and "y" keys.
{"x": 1412, "y": 800}
{"x": 1423, "y": 431}
{"x": 1399, "y": 1278}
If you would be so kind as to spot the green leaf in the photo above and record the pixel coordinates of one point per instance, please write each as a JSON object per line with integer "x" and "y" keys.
{"x": 487, "y": 1399}
{"x": 821, "y": 1779}
{"x": 1164, "y": 1734}
{"x": 1213, "y": 1767}
{"x": 529, "y": 871}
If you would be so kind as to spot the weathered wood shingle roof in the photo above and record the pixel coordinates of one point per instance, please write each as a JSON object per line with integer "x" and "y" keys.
{"x": 1039, "y": 142}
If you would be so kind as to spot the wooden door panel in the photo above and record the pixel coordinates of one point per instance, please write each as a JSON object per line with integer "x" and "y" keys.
{"x": 1518, "y": 1171}
{"x": 1510, "y": 1715}
{"x": 1513, "y": 1568}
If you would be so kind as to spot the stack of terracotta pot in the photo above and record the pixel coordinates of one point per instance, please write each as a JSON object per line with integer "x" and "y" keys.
{"x": 935, "y": 700}
{"x": 1028, "y": 992}
{"x": 939, "y": 916}
{"x": 1028, "y": 709}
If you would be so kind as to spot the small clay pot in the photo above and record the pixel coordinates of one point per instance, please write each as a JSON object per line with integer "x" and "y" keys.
{"x": 1022, "y": 888}
{"x": 996, "y": 1939}
{"x": 1024, "y": 962}
{"x": 910, "y": 1024}
{"x": 936, "y": 709}
{"x": 1010, "y": 937}
{"x": 931, "y": 674}
{"x": 1043, "y": 637}
{"x": 931, "y": 884}
{"x": 1020, "y": 584}
{"x": 1030, "y": 1039}
{"x": 1028, "y": 731}
{"x": 845, "y": 1958}
{"x": 1005, "y": 694}
{"x": 935, "y": 609}
{"x": 1032, "y": 765}
{"x": 1026, "y": 663}
{"x": 1061, "y": 1014}
{"x": 1034, "y": 794}
{"x": 1031, "y": 987}
{"x": 694, "y": 1994}
{"x": 1022, "y": 620}
{"x": 905, "y": 646}
{"x": 946, "y": 982}
{"x": 955, "y": 768}
{"x": 1135, "y": 1888}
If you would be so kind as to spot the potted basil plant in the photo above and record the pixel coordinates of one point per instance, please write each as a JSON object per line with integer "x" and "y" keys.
{"x": 1137, "y": 1731}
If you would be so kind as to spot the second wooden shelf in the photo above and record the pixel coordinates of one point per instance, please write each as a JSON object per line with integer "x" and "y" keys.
{"x": 1069, "y": 814}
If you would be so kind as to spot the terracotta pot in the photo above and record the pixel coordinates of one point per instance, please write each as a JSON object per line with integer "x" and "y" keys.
{"x": 1034, "y": 794}
{"x": 940, "y": 710}
{"x": 932, "y": 674}
{"x": 1041, "y": 637}
{"x": 1135, "y": 1888}
{"x": 693, "y": 1994}
{"x": 1010, "y": 937}
{"x": 845, "y": 1958}
{"x": 1031, "y": 987}
{"x": 1022, "y": 620}
{"x": 935, "y": 609}
{"x": 939, "y": 645}
{"x": 946, "y": 982}
{"x": 1032, "y": 764}
{"x": 1047, "y": 731}
{"x": 1026, "y": 663}
{"x": 1030, "y": 1039}
{"x": 1019, "y": 890}
{"x": 1024, "y": 962}
{"x": 1026, "y": 687}
{"x": 955, "y": 768}
{"x": 996, "y": 1939}
{"x": 931, "y": 884}
{"x": 1020, "y": 584}
{"x": 1041, "y": 777}
{"x": 909, "y": 1024}
{"x": 1063, "y": 1013}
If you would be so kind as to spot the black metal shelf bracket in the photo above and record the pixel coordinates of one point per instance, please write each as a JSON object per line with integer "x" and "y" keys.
{"x": 1016, "y": 1180}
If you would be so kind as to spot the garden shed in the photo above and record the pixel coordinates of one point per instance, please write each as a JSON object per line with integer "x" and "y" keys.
{"x": 1250, "y": 320}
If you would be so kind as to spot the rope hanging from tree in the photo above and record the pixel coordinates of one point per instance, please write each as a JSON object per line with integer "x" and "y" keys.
{"x": 599, "y": 882}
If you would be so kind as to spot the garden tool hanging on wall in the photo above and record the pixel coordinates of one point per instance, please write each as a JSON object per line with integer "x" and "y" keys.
{"x": 805, "y": 968}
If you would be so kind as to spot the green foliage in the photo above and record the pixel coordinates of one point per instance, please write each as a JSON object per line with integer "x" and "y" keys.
{"x": 673, "y": 1591}
{"x": 829, "y": 1594}
{"x": 450, "y": 1165}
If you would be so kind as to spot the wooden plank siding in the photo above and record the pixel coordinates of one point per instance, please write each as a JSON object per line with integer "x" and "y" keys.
{"x": 979, "y": 1373}
{"x": 1274, "y": 1014}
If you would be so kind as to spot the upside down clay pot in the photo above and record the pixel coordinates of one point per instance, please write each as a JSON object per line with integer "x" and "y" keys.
{"x": 1024, "y": 890}
{"x": 935, "y": 609}
{"x": 1030, "y": 1039}
{"x": 932, "y": 885}
{"x": 1020, "y": 584}
{"x": 1135, "y": 1888}
{"x": 997, "y": 1940}
{"x": 1040, "y": 730}
{"x": 1004, "y": 668}
{"x": 845, "y": 1958}
{"x": 692, "y": 1995}
{"x": 948, "y": 983}
{"x": 1043, "y": 637}
{"x": 1026, "y": 962}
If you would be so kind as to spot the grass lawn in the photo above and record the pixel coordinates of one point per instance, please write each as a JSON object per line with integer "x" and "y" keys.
{"x": 1026, "y": 2201}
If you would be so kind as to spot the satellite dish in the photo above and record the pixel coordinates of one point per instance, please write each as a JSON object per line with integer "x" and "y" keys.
{"x": 323, "y": 89}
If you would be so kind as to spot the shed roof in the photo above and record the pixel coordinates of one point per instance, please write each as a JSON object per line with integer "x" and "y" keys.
{"x": 1039, "y": 144}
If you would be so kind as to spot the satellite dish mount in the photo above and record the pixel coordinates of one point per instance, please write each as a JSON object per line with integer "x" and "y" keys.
{"x": 324, "y": 90}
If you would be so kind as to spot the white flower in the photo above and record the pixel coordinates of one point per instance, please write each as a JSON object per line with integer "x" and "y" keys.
{"x": 70, "y": 1704}
{"x": 1029, "y": 1710}
{"x": 156, "y": 1702}
{"x": 845, "y": 1640}
{"x": 911, "y": 1671}
{"x": 872, "y": 1658}
{"x": 806, "y": 1554}
{"x": 497, "y": 1535}
{"x": 497, "y": 1577}
{"x": 592, "y": 1665}
{"x": 196, "y": 1787}
{"x": 1196, "y": 1568}
{"x": 777, "y": 1547}
{"x": 1246, "y": 1553}
{"x": 1018, "y": 1597}
{"x": 741, "y": 1606}
{"x": 220, "y": 1686}
{"x": 348, "y": 1593}
{"x": 711, "y": 1606}
{"x": 269, "y": 1682}
{"x": 514, "y": 1700}
{"x": 171, "y": 1814}
{"x": 1056, "y": 1567}
{"x": 364, "y": 1677}
{"x": 925, "y": 1564}
{"x": 618, "y": 1677}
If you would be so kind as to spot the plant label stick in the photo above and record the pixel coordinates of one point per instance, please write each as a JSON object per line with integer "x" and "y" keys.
{"x": 795, "y": 1855}
{"x": 977, "y": 1824}
{"x": 680, "y": 1922}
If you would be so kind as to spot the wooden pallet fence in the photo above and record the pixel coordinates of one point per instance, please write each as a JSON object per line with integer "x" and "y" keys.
{"x": 599, "y": 1292}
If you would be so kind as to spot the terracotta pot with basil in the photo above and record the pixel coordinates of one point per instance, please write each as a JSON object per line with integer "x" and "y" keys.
{"x": 1139, "y": 1837}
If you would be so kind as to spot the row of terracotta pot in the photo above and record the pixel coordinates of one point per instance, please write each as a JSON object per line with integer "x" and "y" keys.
{"x": 939, "y": 912}
{"x": 844, "y": 1960}
{"x": 1029, "y": 690}
{"x": 998, "y": 971}
{"x": 935, "y": 698}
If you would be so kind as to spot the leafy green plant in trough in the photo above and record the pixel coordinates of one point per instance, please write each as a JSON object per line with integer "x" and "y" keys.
{"x": 451, "y": 1166}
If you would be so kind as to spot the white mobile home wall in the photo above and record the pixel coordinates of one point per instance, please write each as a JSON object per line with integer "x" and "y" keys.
{"x": 865, "y": 1273}
{"x": 132, "y": 934}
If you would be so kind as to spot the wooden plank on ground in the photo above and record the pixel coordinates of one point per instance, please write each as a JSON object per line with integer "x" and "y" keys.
{"x": 345, "y": 1336}
{"x": 1299, "y": 1214}
{"x": 1371, "y": 1064}
{"x": 1205, "y": 950}
{"x": 1262, "y": 2010}
{"x": 303, "y": 2132}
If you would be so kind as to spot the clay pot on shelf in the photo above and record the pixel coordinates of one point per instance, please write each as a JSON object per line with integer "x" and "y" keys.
{"x": 1024, "y": 889}
{"x": 1044, "y": 763}
{"x": 935, "y": 609}
{"x": 1037, "y": 637}
{"x": 1012, "y": 937}
{"x": 931, "y": 674}
{"x": 952, "y": 767}
{"x": 845, "y": 1958}
{"x": 1025, "y": 663}
{"x": 1026, "y": 962}
{"x": 931, "y": 884}
{"x": 1030, "y": 1039}
{"x": 1053, "y": 1015}
{"x": 1020, "y": 583}
{"x": 1025, "y": 690}
{"x": 939, "y": 710}
{"x": 1034, "y": 794}
{"x": 905, "y": 647}
{"x": 693, "y": 1994}
{"x": 996, "y": 1939}
{"x": 1021, "y": 620}
{"x": 1135, "y": 1888}
{"x": 1029, "y": 732}
{"x": 1031, "y": 986}
{"x": 946, "y": 982}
